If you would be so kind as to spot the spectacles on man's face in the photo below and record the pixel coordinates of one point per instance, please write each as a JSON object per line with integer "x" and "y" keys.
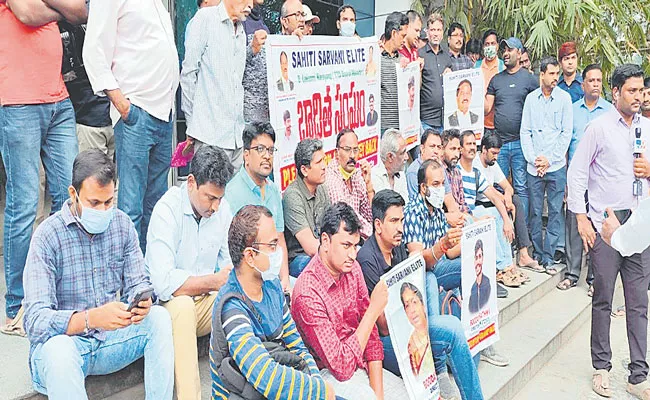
{"x": 261, "y": 150}
{"x": 273, "y": 245}
{"x": 297, "y": 14}
{"x": 348, "y": 149}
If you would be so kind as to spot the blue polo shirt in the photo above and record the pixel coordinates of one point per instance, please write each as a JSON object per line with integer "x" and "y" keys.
{"x": 574, "y": 89}
{"x": 242, "y": 191}
{"x": 582, "y": 116}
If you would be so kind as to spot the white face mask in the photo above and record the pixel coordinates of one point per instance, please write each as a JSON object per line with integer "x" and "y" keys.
{"x": 490, "y": 52}
{"x": 348, "y": 28}
{"x": 436, "y": 196}
{"x": 275, "y": 265}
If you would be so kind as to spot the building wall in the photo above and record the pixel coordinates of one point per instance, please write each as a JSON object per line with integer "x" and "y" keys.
{"x": 385, "y": 7}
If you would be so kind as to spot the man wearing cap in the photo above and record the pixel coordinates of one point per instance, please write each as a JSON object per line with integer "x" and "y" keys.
{"x": 506, "y": 95}
{"x": 570, "y": 80}
{"x": 310, "y": 20}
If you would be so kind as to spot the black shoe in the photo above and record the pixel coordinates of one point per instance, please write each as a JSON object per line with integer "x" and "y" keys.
{"x": 559, "y": 257}
{"x": 502, "y": 292}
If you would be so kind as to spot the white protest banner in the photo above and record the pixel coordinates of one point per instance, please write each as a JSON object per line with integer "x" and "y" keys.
{"x": 406, "y": 314}
{"x": 318, "y": 86}
{"x": 408, "y": 101}
{"x": 464, "y": 101}
{"x": 480, "y": 314}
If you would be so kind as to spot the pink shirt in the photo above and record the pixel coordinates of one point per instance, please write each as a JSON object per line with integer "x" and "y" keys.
{"x": 30, "y": 62}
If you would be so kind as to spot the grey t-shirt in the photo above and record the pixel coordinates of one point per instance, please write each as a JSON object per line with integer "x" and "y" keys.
{"x": 510, "y": 91}
{"x": 302, "y": 211}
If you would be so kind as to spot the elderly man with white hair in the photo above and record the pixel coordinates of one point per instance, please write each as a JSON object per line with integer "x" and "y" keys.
{"x": 389, "y": 172}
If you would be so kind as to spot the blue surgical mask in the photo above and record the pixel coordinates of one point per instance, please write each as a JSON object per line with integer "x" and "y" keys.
{"x": 95, "y": 221}
{"x": 348, "y": 28}
{"x": 275, "y": 264}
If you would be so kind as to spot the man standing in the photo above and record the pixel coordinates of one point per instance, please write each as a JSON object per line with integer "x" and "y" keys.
{"x": 506, "y": 95}
{"x": 251, "y": 184}
{"x": 389, "y": 172}
{"x": 131, "y": 58}
{"x": 208, "y": 75}
{"x": 394, "y": 33}
{"x": 456, "y": 40}
{"x": 524, "y": 60}
{"x": 412, "y": 39}
{"x": 336, "y": 317}
{"x": 571, "y": 80}
{"x": 256, "y": 87}
{"x": 604, "y": 164}
{"x": 347, "y": 183}
{"x": 436, "y": 63}
{"x": 79, "y": 258}
{"x": 304, "y": 203}
{"x": 585, "y": 110}
{"x": 346, "y": 21}
{"x": 36, "y": 119}
{"x": 187, "y": 258}
{"x": 491, "y": 65}
{"x": 310, "y": 20}
{"x": 645, "y": 105}
{"x": 544, "y": 142}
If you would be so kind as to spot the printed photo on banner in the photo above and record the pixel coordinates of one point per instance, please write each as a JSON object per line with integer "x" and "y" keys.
{"x": 480, "y": 313}
{"x": 406, "y": 315}
{"x": 464, "y": 101}
{"x": 318, "y": 86}
{"x": 408, "y": 100}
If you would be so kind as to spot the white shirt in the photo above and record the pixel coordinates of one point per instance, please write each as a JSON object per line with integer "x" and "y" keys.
{"x": 634, "y": 235}
{"x": 492, "y": 174}
{"x": 129, "y": 45}
{"x": 464, "y": 119}
{"x": 178, "y": 247}
{"x": 211, "y": 80}
{"x": 379, "y": 178}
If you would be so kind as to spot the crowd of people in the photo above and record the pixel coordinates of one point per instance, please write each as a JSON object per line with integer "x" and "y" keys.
{"x": 288, "y": 285}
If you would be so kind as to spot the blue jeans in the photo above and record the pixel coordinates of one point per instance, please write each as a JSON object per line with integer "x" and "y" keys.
{"x": 448, "y": 342}
{"x": 504, "y": 249}
{"x": 298, "y": 264}
{"x": 60, "y": 365}
{"x": 143, "y": 147}
{"x": 448, "y": 272}
{"x": 29, "y": 134}
{"x": 426, "y": 126}
{"x": 553, "y": 184}
{"x": 511, "y": 159}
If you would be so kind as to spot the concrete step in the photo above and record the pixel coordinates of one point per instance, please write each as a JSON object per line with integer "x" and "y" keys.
{"x": 533, "y": 336}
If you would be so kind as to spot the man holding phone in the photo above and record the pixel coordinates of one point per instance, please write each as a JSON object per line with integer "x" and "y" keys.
{"x": 78, "y": 260}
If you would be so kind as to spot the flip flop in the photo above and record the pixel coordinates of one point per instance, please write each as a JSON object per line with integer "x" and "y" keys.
{"x": 535, "y": 267}
{"x": 15, "y": 328}
{"x": 562, "y": 285}
{"x": 619, "y": 312}
{"x": 551, "y": 271}
{"x": 640, "y": 390}
{"x": 603, "y": 388}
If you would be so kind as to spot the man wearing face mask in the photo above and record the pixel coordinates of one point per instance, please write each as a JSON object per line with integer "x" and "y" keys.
{"x": 346, "y": 21}
{"x": 187, "y": 258}
{"x": 79, "y": 258}
{"x": 491, "y": 65}
{"x": 251, "y": 184}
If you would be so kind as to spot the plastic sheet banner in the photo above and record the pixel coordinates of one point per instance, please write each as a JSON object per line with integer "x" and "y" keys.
{"x": 406, "y": 314}
{"x": 464, "y": 100}
{"x": 318, "y": 86}
{"x": 408, "y": 101}
{"x": 480, "y": 314}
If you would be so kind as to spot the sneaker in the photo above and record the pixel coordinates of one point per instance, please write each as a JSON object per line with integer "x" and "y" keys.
{"x": 559, "y": 257}
{"x": 490, "y": 356}
{"x": 502, "y": 292}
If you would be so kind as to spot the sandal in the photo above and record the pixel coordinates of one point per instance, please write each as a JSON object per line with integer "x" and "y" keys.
{"x": 619, "y": 312}
{"x": 15, "y": 328}
{"x": 590, "y": 291}
{"x": 566, "y": 284}
{"x": 601, "y": 388}
{"x": 551, "y": 271}
{"x": 507, "y": 279}
{"x": 640, "y": 390}
{"x": 535, "y": 267}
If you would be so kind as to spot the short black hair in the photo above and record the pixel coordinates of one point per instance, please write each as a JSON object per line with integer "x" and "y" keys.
{"x": 524, "y": 50}
{"x": 624, "y": 72}
{"x": 394, "y": 22}
{"x": 491, "y": 141}
{"x": 422, "y": 171}
{"x": 464, "y": 134}
{"x": 474, "y": 46}
{"x": 286, "y": 115}
{"x": 283, "y": 53}
{"x": 425, "y": 135}
{"x": 93, "y": 163}
{"x": 488, "y": 33}
{"x": 199, "y": 2}
{"x": 371, "y": 97}
{"x": 337, "y": 213}
{"x": 211, "y": 165}
{"x": 448, "y": 135}
{"x": 467, "y": 81}
{"x": 383, "y": 200}
{"x": 341, "y": 134}
{"x": 343, "y": 8}
{"x": 256, "y": 129}
{"x": 646, "y": 82}
{"x": 243, "y": 231}
{"x": 546, "y": 61}
{"x": 478, "y": 246}
{"x": 409, "y": 286}
{"x": 304, "y": 154}
{"x": 453, "y": 27}
{"x": 590, "y": 67}
{"x": 413, "y": 15}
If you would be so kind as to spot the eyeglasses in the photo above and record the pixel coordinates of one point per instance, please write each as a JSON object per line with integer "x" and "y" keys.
{"x": 273, "y": 246}
{"x": 261, "y": 149}
{"x": 297, "y": 14}
{"x": 348, "y": 149}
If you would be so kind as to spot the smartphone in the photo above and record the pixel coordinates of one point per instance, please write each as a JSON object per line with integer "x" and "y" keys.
{"x": 142, "y": 295}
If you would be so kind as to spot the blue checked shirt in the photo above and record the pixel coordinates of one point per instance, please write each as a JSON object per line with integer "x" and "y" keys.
{"x": 420, "y": 226}
{"x": 70, "y": 271}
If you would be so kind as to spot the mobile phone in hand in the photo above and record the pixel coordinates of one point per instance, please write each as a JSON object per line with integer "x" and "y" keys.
{"x": 142, "y": 295}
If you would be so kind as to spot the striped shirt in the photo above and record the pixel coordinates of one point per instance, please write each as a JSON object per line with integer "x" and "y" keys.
{"x": 211, "y": 80}
{"x": 389, "y": 107}
{"x": 470, "y": 185}
{"x": 243, "y": 331}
